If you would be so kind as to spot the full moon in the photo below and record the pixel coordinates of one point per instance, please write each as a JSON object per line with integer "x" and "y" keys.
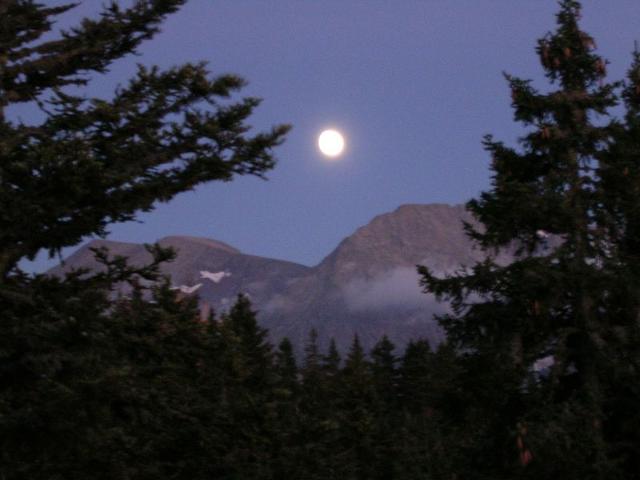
{"x": 331, "y": 143}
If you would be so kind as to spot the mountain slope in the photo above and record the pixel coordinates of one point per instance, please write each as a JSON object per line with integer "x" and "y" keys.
{"x": 221, "y": 270}
{"x": 367, "y": 286}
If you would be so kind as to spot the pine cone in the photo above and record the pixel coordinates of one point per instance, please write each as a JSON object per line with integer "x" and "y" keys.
{"x": 545, "y": 55}
{"x": 526, "y": 457}
{"x": 587, "y": 41}
{"x": 545, "y": 133}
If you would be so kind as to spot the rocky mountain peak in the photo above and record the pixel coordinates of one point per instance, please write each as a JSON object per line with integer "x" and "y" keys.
{"x": 412, "y": 234}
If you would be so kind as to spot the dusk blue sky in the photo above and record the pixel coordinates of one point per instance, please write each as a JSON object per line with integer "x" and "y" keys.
{"x": 413, "y": 85}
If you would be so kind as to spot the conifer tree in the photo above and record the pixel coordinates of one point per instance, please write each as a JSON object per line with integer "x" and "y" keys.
{"x": 621, "y": 178}
{"x": 388, "y": 414}
{"x": 414, "y": 391}
{"x": 248, "y": 392}
{"x": 356, "y": 371}
{"x": 312, "y": 378}
{"x": 285, "y": 366}
{"x": 318, "y": 420}
{"x": 138, "y": 380}
{"x": 385, "y": 373}
{"x": 163, "y": 394}
{"x": 331, "y": 361}
{"x": 45, "y": 420}
{"x": 414, "y": 373}
{"x": 357, "y": 396}
{"x": 552, "y": 203}
{"x": 251, "y": 341}
{"x": 94, "y": 161}
{"x": 116, "y": 394}
{"x": 286, "y": 398}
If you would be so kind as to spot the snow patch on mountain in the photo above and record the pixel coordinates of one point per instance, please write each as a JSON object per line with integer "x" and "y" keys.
{"x": 215, "y": 277}
{"x": 186, "y": 289}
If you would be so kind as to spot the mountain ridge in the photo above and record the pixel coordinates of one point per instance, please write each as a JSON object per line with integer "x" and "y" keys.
{"x": 367, "y": 285}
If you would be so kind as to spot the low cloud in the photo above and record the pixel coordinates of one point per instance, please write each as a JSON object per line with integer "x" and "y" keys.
{"x": 399, "y": 287}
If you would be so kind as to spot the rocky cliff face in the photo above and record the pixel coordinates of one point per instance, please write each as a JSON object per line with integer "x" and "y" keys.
{"x": 367, "y": 286}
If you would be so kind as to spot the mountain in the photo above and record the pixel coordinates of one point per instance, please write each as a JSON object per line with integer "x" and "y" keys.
{"x": 368, "y": 285}
{"x": 220, "y": 270}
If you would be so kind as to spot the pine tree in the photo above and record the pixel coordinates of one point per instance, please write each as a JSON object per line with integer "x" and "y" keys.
{"x": 51, "y": 367}
{"x": 620, "y": 177}
{"x": 286, "y": 368}
{"x": 414, "y": 381}
{"x": 250, "y": 342}
{"x": 287, "y": 396}
{"x": 312, "y": 375}
{"x": 357, "y": 396}
{"x": 551, "y": 203}
{"x": 318, "y": 422}
{"x": 103, "y": 389}
{"x": 248, "y": 392}
{"x": 388, "y": 415}
{"x": 94, "y": 161}
{"x": 162, "y": 391}
{"x": 356, "y": 373}
{"x": 414, "y": 392}
{"x": 85, "y": 377}
{"x": 385, "y": 373}
{"x": 331, "y": 361}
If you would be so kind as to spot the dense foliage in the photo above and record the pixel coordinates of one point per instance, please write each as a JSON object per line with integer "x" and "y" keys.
{"x": 87, "y": 385}
{"x": 144, "y": 388}
{"x": 94, "y": 161}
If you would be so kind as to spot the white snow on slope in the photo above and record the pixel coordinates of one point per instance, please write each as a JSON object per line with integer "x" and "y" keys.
{"x": 215, "y": 277}
{"x": 186, "y": 289}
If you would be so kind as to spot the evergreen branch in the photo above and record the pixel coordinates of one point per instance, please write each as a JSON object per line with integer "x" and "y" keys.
{"x": 92, "y": 47}
{"x": 96, "y": 162}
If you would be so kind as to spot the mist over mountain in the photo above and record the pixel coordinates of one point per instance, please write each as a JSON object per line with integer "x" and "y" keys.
{"x": 367, "y": 286}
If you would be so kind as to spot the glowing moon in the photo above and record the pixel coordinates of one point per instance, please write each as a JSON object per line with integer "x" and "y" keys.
{"x": 331, "y": 143}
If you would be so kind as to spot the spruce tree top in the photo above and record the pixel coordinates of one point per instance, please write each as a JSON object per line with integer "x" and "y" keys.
{"x": 551, "y": 203}
{"x": 549, "y": 186}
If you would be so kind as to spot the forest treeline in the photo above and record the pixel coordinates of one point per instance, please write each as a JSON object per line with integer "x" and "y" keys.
{"x": 143, "y": 388}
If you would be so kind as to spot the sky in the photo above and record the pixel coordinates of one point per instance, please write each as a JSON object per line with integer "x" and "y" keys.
{"x": 412, "y": 85}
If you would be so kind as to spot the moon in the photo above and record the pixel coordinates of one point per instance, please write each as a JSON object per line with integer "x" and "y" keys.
{"x": 331, "y": 143}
